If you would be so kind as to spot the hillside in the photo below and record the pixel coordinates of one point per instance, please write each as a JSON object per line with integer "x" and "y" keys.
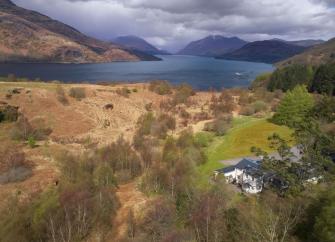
{"x": 304, "y": 42}
{"x": 320, "y": 54}
{"x": 267, "y": 51}
{"x": 213, "y": 45}
{"x": 28, "y": 36}
{"x": 134, "y": 42}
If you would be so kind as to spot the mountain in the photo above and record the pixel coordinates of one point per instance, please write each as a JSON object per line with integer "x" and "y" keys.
{"x": 307, "y": 42}
{"x": 267, "y": 51}
{"x": 134, "y": 42}
{"x": 319, "y": 54}
{"x": 304, "y": 43}
{"x": 28, "y": 36}
{"x": 213, "y": 45}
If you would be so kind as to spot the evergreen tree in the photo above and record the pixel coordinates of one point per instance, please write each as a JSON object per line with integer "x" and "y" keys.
{"x": 290, "y": 76}
{"x": 294, "y": 107}
{"x": 324, "y": 79}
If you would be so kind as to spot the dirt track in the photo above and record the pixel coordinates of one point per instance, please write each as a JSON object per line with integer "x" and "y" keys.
{"x": 130, "y": 199}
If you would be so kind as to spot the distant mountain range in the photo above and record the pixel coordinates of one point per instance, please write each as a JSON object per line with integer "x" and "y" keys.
{"x": 213, "y": 45}
{"x": 134, "y": 42}
{"x": 319, "y": 54}
{"x": 28, "y": 36}
{"x": 303, "y": 43}
{"x": 267, "y": 51}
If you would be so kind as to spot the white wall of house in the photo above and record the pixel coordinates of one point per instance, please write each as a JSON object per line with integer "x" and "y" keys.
{"x": 255, "y": 184}
{"x": 233, "y": 175}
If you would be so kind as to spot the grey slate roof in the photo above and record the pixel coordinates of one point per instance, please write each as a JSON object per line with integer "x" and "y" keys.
{"x": 243, "y": 164}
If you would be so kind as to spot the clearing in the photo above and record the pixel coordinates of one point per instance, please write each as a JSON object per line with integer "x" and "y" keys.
{"x": 246, "y": 133}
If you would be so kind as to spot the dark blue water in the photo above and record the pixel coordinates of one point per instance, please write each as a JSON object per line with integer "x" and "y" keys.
{"x": 201, "y": 72}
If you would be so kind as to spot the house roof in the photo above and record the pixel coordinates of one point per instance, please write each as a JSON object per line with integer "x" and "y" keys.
{"x": 226, "y": 169}
{"x": 254, "y": 172}
{"x": 247, "y": 163}
{"x": 242, "y": 165}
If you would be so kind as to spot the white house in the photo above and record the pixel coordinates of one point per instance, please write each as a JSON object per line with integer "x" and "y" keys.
{"x": 246, "y": 173}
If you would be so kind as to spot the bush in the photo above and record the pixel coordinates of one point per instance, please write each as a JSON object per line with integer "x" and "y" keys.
{"x": 220, "y": 125}
{"x": 201, "y": 116}
{"x": 260, "y": 106}
{"x": 123, "y": 160}
{"x": 149, "y": 107}
{"x": 224, "y": 104}
{"x": 148, "y": 124}
{"x": 13, "y": 165}
{"x": 203, "y": 139}
{"x": 31, "y": 142}
{"x": 78, "y": 93}
{"x": 23, "y": 129}
{"x": 160, "y": 87}
{"x": 9, "y": 113}
{"x": 247, "y": 110}
{"x": 183, "y": 92}
{"x": 124, "y": 92}
{"x": 61, "y": 96}
{"x": 261, "y": 81}
{"x": 184, "y": 114}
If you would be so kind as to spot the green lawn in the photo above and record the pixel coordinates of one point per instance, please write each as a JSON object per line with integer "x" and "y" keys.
{"x": 246, "y": 132}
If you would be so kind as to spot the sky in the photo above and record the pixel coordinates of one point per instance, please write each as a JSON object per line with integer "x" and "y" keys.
{"x": 171, "y": 24}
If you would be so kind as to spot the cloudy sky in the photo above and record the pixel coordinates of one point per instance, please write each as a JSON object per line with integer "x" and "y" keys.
{"x": 170, "y": 24}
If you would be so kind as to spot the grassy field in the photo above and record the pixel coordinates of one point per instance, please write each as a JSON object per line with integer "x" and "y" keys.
{"x": 246, "y": 132}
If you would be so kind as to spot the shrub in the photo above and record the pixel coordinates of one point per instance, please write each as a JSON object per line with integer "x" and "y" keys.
{"x": 224, "y": 104}
{"x": 247, "y": 110}
{"x": 23, "y": 129}
{"x": 203, "y": 139}
{"x": 183, "y": 92}
{"x": 123, "y": 160}
{"x": 149, "y": 107}
{"x": 124, "y": 92}
{"x": 260, "y": 106}
{"x": 9, "y": 113}
{"x": 31, "y": 142}
{"x": 184, "y": 114}
{"x": 78, "y": 93}
{"x": 13, "y": 165}
{"x": 166, "y": 105}
{"x": 201, "y": 116}
{"x": 160, "y": 87}
{"x": 220, "y": 125}
{"x": 261, "y": 80}
{"x": 61, "y": 96}
{"x": 245, "y": 99}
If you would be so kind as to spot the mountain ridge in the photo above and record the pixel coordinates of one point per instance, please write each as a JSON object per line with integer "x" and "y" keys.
{"x": 266, "y": 51}
{"x": 212, "y": 45}
{"x": 33, "y": 37}
{"x": 320, "y": 54}
{"x": 137, "y": 43}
